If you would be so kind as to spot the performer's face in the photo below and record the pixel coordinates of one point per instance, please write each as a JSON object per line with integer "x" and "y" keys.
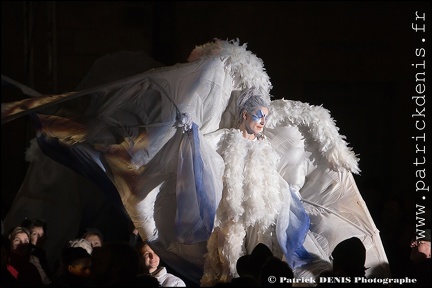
{"x": 256, "y": 120}
{"x": 151, "y": 259}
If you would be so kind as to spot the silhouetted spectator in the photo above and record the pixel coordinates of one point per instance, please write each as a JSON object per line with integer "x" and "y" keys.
{"x": 115, "y": 264}
{"x": 349, "y": 257}
{"x": 38, "y": 236}
{"x": 5, "y": 248}
{"x": 420, "y": 257}
{"x": 135, "y": 239}
{"x": 94, "y": 236}
{"x": 74, "y": 268}
{"x": 250, "y": 265}
{"x": 275, "y": 268}
{"x": 19, "y": 271}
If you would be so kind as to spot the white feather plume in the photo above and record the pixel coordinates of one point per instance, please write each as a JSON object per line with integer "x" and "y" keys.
{"x": 321, "y": 134}
{"x": 245, "y": 67}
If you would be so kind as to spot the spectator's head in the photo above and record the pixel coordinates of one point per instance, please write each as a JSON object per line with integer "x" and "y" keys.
{"x": 19, "y": 239}
{"x": 274, "y": 267}
{"x": 114, "y": 263}
{"x": 37, "y": 230}
{"x": 421, "y": 248}
{"x": 94, "y": 236}
{"x": 149, "y": 259}
{"x": 77, "y": 261}
{"x": 81, "y": 242}
{"x": 349, "y": 257}
{"x": 251, "y": 264}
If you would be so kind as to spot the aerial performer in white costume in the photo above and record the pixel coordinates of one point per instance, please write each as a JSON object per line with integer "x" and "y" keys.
{"x": 257, "y": 205}
{"x": 206, "y": 165}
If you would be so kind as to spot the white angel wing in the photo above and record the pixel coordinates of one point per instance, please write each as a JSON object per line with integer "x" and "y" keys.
{"x": 316, "y": 160}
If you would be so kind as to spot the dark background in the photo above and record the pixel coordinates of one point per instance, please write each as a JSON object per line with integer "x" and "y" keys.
{"x": 353, "y": 58}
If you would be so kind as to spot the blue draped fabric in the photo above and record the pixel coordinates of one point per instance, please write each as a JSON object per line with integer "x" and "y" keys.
{"x": 293, "y": 225}
{"x": 196, "y": 207}
{"x": 82, "y": 159}
{"x": 195, "y": 193}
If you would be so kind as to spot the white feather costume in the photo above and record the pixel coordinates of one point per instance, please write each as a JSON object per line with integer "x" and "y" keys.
{"x": 252, "y": 198}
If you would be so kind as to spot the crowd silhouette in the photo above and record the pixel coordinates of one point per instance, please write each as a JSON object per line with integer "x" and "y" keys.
{"x": 90, "y": 261}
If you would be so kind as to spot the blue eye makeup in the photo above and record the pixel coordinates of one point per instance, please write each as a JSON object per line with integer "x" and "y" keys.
{"x": 259, "y": 114}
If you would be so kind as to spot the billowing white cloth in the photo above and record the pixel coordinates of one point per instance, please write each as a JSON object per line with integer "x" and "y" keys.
{"x": 132, "y": 142}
